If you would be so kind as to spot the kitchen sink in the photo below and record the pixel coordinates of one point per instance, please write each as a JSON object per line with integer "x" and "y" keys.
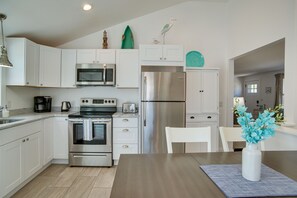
{"x": 6, "y": 121}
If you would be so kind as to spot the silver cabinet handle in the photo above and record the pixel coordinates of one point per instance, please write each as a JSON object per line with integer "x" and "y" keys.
{"x": 164, "y": 58}
{"x": 104, "y": 74}
{"x": 160, "y": 58}
{"x": 125, "y": 146}
{"x": 125, "y": 130}
{"x": 125, "y": 120}
{"x": 23, "y": 140}
{"x": 27, "y": 139}
{"x": 27, "y": 83}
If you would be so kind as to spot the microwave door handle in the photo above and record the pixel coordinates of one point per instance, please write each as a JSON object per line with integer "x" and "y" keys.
{"x": 104, "y": 75}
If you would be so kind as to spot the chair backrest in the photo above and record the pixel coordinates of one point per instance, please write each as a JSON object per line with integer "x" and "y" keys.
{"x": 197, "y": 134}
{"x": 230, "y": 134}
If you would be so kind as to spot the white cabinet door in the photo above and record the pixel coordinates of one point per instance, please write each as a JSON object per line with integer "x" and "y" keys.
{"x": 86, "y": 56}
{"x": 31, "y": 155}
{"x": 10, "y": 166}
{"x": 50, "y": 66}
{"x": 106, "y": 56}
{"x": 210, "y": 94}
{"x": 151, "y": 52}
{"x": 68, "y": 68}
{"x": 194, "y": 94}
{"x": 60, "y": 138}
{"x": 24, "y": 55}
{"x": 173, "y": 53}
{"x": 32, "y": 63}
{"x": 48, "y": 139}
{"x": 202, "y": 91}
{"x": 127, "y": 68}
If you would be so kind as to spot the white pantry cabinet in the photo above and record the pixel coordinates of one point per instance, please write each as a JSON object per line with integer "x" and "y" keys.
{"x": 50, "y": 66}
{"x": 24, "y": 55}
{"x": 202, "y": 91}
{"x": 127, "y": 65}
{"x": 60, "y": 138}
{"x": 125, "y": 136}
{"x": 48, "y": 139}
{"x": 96, "y": 56}
{"x": 68, "y": 62}
{"x": 21, "y": 153}
{"x": 162, "y": 54}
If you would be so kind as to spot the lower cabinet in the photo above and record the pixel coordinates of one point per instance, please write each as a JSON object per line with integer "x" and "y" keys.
{"x": 203, "y": 120}
{"x": 19, "y": 160}
{"x": 48, "y": 139}
{"x": 125, "y": 136}
{"x": 60, "y": 138}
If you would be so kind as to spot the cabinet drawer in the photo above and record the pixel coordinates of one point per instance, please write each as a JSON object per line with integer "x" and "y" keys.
{"x": 124, "y": 149}
{"x": 125, "y": 122}
{"x": 201, "y": 118}
{"x": 125, "y": 135}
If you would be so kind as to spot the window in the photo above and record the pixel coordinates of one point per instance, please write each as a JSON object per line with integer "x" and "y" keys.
{"x": 252, "y": 88}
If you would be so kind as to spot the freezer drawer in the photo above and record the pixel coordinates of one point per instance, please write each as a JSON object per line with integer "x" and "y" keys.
{"x": 202, "y": 117}
{"x": 90, "y": 159}
{"x": 157, "y": 116}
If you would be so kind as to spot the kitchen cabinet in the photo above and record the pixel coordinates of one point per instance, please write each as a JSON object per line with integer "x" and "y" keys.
{"x": 49, "y": 67}
{"x": 24, "y": 55}
{"x": 172, "y": 55}
{"x": 202, "y": 91}
{"x": 60, "y": 138}
{"x": 19, "y": 160}
{"x": 125, "y": 136}
{"x": 127, "y": 68}
{"x": 68, "y": 63}
{"x": 48, "y": 139}
{"x": 96, "y": 56}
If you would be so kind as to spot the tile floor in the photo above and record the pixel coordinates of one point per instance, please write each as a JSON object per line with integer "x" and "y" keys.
{"x": 63, "y": 181}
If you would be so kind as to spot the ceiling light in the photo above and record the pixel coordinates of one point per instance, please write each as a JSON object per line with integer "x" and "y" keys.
{"x": 87, "y": 7}
{"x": 4, "y": 62}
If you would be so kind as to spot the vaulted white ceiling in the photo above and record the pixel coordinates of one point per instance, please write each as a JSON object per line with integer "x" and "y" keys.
{"x": 54, "y": 22}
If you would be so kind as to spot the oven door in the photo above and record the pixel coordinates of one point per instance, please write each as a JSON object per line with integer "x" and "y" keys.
{"x": 90, "y": 135}
{"x": 95, "y": 74}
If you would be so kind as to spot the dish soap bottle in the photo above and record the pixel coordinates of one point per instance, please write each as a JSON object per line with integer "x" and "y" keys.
{"x": 5, "y": 112}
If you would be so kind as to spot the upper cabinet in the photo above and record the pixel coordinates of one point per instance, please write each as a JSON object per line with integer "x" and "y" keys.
{"x": 162, "y": 55}
{"x": 202, "y": 91}
{"x": 24, "y": 55}
{"x": 50, "y": 66}
{"x": 127, "y": 68}
{"x": 68, "y": 62}
{"x": 96, "y": 56}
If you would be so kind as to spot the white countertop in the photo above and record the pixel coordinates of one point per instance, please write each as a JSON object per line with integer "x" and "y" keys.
{"x": 288, "y": 130}
{"x": 31, "y": 117}
{"x": 125, "y": 115}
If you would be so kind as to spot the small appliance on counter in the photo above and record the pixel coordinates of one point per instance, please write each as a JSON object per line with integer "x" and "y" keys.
{"x": 129, "y": 108}
{"x": 42, "y": 104}
{"x": 66, "y": 105}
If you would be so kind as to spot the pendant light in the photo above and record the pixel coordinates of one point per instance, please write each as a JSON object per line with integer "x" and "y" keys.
{"x": 4, "y": 62}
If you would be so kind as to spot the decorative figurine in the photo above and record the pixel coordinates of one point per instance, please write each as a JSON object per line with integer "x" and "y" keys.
{"x": 127, "y": 39}
{"x": 104, "y": 44}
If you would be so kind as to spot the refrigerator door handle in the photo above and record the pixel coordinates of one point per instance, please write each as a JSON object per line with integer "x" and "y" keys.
{"x": 144, "y": 115}
{"x": 144, "y": 88}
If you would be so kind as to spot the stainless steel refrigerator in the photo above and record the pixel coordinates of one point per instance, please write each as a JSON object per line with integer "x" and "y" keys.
{"x": 163, "y": 96}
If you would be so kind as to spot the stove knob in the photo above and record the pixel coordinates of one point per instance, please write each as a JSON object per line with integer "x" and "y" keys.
{"x": 112, "y": 101}
{"x": 87, "y": 101}
{"x": 83, "y": 101}
{"x": 109, "y": 101}
{"x": 105, "y": 101}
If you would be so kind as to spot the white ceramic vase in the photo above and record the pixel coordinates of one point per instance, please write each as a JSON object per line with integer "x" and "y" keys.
{"x": 251, "y": 162}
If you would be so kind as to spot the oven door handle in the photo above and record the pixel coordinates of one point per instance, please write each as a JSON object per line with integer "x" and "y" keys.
{"x": 75, "y": 121}
{"x": 100, "y": 122}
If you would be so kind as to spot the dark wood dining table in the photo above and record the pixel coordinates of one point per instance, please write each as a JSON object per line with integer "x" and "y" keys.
{"x": 179, "y": 175}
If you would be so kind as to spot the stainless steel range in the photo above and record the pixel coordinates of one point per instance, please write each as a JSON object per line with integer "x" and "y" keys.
{"x": 90, "y": 133}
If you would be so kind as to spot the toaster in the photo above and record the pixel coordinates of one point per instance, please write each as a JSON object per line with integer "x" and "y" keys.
{"x": 129, "y": 108}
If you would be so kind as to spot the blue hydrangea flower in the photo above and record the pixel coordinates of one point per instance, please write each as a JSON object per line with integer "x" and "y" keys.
{"x": 254, "y": 131}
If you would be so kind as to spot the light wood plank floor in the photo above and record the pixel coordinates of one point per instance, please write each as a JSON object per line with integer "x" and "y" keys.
{"x": 63, "y": 181}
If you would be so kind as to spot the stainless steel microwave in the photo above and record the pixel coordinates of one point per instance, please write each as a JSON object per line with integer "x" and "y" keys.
{"x": 95, "y": 74}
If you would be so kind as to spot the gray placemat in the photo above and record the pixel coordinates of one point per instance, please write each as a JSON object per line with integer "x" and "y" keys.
{"x": 229, "y": 179}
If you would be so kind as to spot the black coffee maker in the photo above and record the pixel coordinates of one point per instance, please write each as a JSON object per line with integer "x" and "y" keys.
{"x": 42, "y": 104}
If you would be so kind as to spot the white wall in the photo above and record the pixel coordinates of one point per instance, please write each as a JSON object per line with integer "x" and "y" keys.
{"x": 200, "y": 26}
{"x": 253, "y": 24}
{"x": 21, "y": 97}
{"x": 238, "y": 86}
{"x": 74, "y": 95}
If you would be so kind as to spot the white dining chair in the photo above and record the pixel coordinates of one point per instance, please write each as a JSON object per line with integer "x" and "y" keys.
{"x": 188, "y": 135}
{"x": 230, "y": 135}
